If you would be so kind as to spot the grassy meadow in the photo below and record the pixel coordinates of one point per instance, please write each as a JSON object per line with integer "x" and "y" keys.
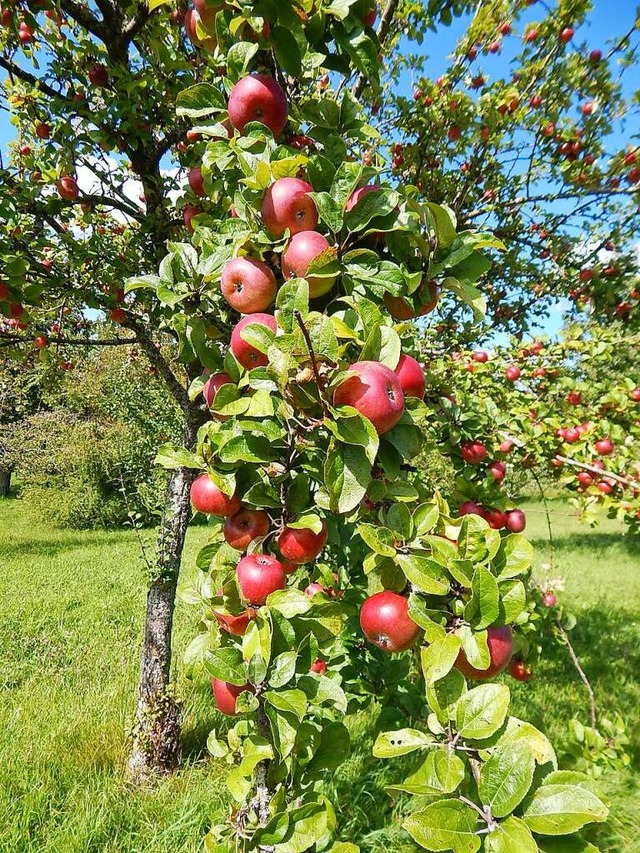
{"x": 71, "y": 605}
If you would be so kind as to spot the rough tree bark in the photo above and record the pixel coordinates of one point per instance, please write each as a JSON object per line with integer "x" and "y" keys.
{"x": 5, "y": 482}
{"x": 155, "y": 748}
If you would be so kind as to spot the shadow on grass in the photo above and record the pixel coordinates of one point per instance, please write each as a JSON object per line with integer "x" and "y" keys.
{"x": 591, "y": 540}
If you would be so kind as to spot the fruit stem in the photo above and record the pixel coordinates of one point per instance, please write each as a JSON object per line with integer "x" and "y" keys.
{"x": 314, "y": 364}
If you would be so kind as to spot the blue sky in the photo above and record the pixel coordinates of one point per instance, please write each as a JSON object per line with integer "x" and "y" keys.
{"x": 608, "y": 20}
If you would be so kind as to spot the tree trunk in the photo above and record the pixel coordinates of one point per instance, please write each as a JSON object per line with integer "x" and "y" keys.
{"x": 156, "y": 737}
{"x": 5, "y": 482}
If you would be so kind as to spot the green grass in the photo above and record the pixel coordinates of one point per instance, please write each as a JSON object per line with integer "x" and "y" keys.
{"x": 70, "y": 620}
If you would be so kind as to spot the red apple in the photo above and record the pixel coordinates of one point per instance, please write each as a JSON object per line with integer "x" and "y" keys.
{"x": 213, "y": 385}
{"x": 206, "y": 21}
{"x": 385, "y": 621}
{"x": 319, "y": 666}
{"x": 248, "y": 285}
{"x": 470, "y": 508}
{"x": 507, "y": 446}
{"x": 566, "y": 35}
{"x": 375, "y": 391}
{"x": 549, "y": 599}
{"x": 585, "y": 479}
{"x": 411, "y": 377}
{"x": 208, "y": 498}
{"x": 398, "y": 307}
{"x": 473, "y": 452}
{"x": 635, "y": 395}
{"x": 67, "y": 188}
{"x": 259, "y": 575}
{"x": 429, "y": 294}
{"x": 196, "y": 182}
{"x": 235, "y": 625}
{"x": 302, "y": 546}
{"x": 512, "y": 373}
{"x": 358, "y": 194}
{"x": 98, "y": 75}
{"x": 496, "y": 518}
{"x": 498, "y": 471}
{"x": 189, "y": 212}
{"x": 247, "y": 355}
{"x": 40, "y": 342}
{"x": 246, "y": 525}
{"x": 118, "y": 315}
{"x": 288, "y": 205}
{"x": 571, "y": 435}
{"x": 258, "y": 98}
{"x": 574, "y": 398}
{"x": 43, "y": 130}
{"x": 516, "y": 521}
{"x": 604, "y": 447}
{"x": 519, "y": 670}
{"x": 480, "y": 356}
{"x": 225, "y": 695}
{"x": 500, "y": 642}
{"x": 314, "y": 589}
{"x": 303, "y": 248}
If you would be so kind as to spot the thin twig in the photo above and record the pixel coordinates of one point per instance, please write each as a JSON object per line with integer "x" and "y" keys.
{"x": 593, "y": 710}
{"x": 625, "y": 481}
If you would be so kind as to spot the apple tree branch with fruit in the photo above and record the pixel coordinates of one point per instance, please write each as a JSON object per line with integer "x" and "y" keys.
{"x": 326, "y": 553}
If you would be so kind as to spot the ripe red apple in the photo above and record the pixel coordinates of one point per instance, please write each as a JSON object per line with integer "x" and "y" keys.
{"x": 604, "y": 447}
{"x": 248, "y": 285}
{"x": 585, "y": 479}
{"x": 225, "y": 695}
{"x": 549, "y": 599}
{"x": 208, "y": 498}
{"x": 246, "y": 525}
{"x": 235, "y": 625}
{"x": 67, "y": 188}
{"x": 314, "y": 589}
{"x": 507, "y": 446}
{"x": 245, "y": 354}
{"x": 302, "y": 546}
{"x": 398, "y": 307}
{"x": 470, "y": 508}
{"x": 473, "y": 452}
{"x": 43, "y": 130}
{"x": 288, "y": 205}
{"x": 519, "y": 670}
{"x": 213, "y": 385}
{"x": 196, "y": 182}
{"x": 574, "y": 398}
{"x": 319, "y": 666}
{"x": 500, "y": 642}
{"x": 480, "y": 356}
{"x": 595, "y": 56}
{"x": 303, "y": 248}
{"x": 258, "y": 98}
{"x": 498, "y": 471}
{"x": 259, "y": 575}
{"x": 635, "y": 395}
{"x": 516, "y": 521}
{"x": 605, "y": 487}
{"x": 375, "y": 391}
{"x": 118, "y": 315}
{"x": 571, "y": 435}
{"x": 40, "y": 342}
{"x": 385, "y": 621}
{"x": 98, "y": 75}
{"x": 411, "y": 377}
{"x": 566, "y": 35}
{"x": 370, "y": 18}
{"x": 358, "y": 194}
{"x": 206, "y": 20}
{"x": 189, "y": 212}
{"x": 512, "y": 373}
{"x": 496, "y": 518}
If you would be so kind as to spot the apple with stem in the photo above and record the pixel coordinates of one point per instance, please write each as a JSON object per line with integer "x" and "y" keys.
{"x": 246, "y": 525}
{"x": 259, "y": 575}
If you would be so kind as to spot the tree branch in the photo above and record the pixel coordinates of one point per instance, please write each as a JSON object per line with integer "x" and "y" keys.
{"x": 144, "y": 339}
{"x": 8, "y": 338}
{"x": 593, "y": 710}
{"x": 12, "y": 69}
{"x": 383, "y": 31}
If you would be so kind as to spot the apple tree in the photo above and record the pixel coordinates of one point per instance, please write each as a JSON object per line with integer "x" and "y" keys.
{"x": 327, "y": 555}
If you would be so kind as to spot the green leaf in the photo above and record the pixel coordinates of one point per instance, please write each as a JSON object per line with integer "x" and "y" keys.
{"x": 226, "y": 664}
{"x": 392, "y": 744}
{"x": 239, "y": 59}
{"x": 445, "y": 825}
{"x": 293, "y": 831}
{"x": 347, "y": 474}
{"x": 334, "y": 749}
{"x": 247, "y": 448}
{"x": 350, "y": 427}
{"x": 469, "y": 294}
{"x": 424, "y": 573}
{"x": 200, "y": 100}
{"x": 383, "y": 344}
{"x": 513, "y": 600}
{"x": 425, "y": 518}
{"x": 563, "y": 809}
{"x": 400, "y": 521}
{"x": 511, "y": 836}
{"x": 286, "y": 50}
{"x": 514, "y": 557}
{"x": 171, "y": 457}
{"x": 482, "y": 711}
{"x": 565, "y": 845}
{"x": 438, "y": 658}
{"x": 483, "y": 609}
{"x": 505, "y": 779}
{"x": 444, "y": 223}
{"x": 475, "y": 645}
{"x": 288, "y": 701}
{"x": 283, "y": 669}
{"x": 379, "y": 539}
{"x": 441, "y": 772}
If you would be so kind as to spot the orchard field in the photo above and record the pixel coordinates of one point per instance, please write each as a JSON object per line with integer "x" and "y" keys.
{"x": 67, "y": 693}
